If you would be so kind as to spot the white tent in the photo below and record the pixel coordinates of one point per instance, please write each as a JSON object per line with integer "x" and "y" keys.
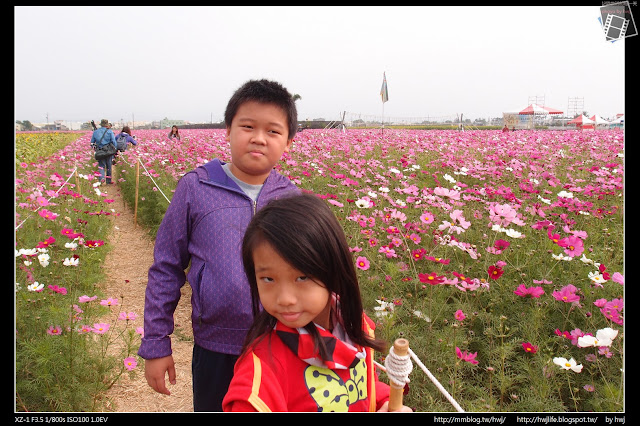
{"x": 618, "y": 122}
{"x": 599, "y": 120}
{"x": 581, "y": 120}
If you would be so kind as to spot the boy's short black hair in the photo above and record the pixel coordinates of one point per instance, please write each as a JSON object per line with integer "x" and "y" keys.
{"x": 264, "y": 91}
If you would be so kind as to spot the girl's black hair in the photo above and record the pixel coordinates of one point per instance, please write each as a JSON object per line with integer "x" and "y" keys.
{"x": 268, "y": 92}
{"x": 305, "y": 232}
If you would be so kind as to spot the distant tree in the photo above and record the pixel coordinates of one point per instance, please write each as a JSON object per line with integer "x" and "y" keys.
{"x": 26, "y": 124}
{"x": 296, "y": 97}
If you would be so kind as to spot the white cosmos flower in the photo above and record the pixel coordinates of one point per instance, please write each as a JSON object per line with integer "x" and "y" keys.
{"x": 513, "y": 233}
{"x": 35, "y": 286}
{"x": 597, "y": 277}
{"x": 361, "y": 203}
{"x": 570, "y": 364}
{"x": 604, "y": 337}
{"x": 384, "y": 308}
{"x": 43, "y": 258}
{"x": 71, "y": 261}
{"x": 561, "y": 257}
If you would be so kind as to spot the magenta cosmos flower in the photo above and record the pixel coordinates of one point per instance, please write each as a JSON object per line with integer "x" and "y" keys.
{"x": 525, "y": 291}
{"x": 465, "y": 356}
{"x": 573, "y": 246}
{"x": 567, "y": 294}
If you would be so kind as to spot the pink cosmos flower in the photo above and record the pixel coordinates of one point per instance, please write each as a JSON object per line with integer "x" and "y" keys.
{"x": 56, "y": 289}
{"x": 573, "y": 246}
{"x": 100, "y": 328}
{"x": 427, "y": 218}
{"x": 525, "y": 291}
{"x": 46, "y": 243}
{"x": 459, "y": 315}
{"x": 47, "y": 214}
{"x": 54, "y": 330}
{"x": 94, "y": 243}
{"x": 42, "y": 202}
{"x": 431, "y": 278}
{"x": 617, "y": 277}
{"x": 129, "y": 316}
{"x": 387, "y": 251}
{"x": 456, "y": 215}
{"x": 109, "y": 302}
{"x": 362, "y": 263}
{"x": 495, "y": 272}
{"x": 465, "y": 356}
{"x": 567, "y": 294}
{"x": 529, "y": 348}
{"x": 130, "y": 363}
{"x": 502, "y": 214}
{"x": 85, "y": 298}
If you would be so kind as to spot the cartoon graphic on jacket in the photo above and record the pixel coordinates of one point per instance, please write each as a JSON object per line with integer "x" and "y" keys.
{"x": 283, "y": 372}
{"x": 221, "y": 300}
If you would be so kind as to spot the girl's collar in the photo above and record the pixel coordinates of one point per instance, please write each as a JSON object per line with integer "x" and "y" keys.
{"x": 341, "y": 352}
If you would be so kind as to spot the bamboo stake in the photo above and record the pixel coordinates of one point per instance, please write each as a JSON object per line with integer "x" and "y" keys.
{"x": 135, "y": 208}
{"x": 400, "y": 348}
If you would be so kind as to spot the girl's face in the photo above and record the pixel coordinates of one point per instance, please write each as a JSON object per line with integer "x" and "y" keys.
{"x": 286, "y": 293}
{"x": 258, "y": 136}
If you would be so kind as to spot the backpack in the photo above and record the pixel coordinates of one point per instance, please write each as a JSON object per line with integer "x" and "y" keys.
{"x": 122, "y": 142}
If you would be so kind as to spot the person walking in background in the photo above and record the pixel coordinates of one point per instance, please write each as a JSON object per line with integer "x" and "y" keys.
{"x": 123, "y": 139}
{"x": 202, "y": 230}
{"x": 101, "y": 137}
{"x": 174, "y": 134}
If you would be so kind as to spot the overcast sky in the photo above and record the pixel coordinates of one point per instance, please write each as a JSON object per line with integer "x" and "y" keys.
{"x": 84, "y": 63}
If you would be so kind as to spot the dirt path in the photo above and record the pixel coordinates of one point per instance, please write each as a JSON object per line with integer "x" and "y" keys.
{"x": 130, "y": 259}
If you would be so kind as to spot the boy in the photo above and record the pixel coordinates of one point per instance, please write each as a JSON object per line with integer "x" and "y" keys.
{"x": 203, "y": 230}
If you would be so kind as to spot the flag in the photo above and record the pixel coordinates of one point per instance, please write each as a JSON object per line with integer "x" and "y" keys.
{"x": 383, "y": 91}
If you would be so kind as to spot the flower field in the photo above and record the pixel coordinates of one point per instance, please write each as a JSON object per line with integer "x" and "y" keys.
{"x": 499, "y": 256}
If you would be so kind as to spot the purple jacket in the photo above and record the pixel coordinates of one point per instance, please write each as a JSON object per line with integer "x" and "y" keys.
{"x": 203, "y": 229}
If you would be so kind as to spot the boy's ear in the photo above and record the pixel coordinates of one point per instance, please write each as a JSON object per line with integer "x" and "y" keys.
{"x": 226, "y": 138}
{"x": 288, "y": 146}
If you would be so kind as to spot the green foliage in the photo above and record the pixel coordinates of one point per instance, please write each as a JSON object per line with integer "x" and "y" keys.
{"x": 62, "y": 361}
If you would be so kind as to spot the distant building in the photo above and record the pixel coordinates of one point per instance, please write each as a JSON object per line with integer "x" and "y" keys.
{"x": 166, "y": 123}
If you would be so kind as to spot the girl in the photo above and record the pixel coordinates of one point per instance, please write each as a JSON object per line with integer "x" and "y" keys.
{"x": 311, "y": 347}
{"x": 174, "y": 133}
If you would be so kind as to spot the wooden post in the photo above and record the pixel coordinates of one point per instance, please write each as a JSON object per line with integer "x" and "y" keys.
{"x": 77, "y": 181}
{"x": 400, "y": 348}
{"x": 135, "y": 208}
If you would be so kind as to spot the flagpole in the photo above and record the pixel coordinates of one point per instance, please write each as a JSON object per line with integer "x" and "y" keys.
{"x": 383, "y": 117}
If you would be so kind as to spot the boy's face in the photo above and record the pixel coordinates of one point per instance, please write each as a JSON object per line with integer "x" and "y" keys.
{"x": 258, "y": 136}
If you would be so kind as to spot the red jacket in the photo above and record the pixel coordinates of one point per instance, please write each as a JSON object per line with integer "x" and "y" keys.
{"x": 272, "y": 377}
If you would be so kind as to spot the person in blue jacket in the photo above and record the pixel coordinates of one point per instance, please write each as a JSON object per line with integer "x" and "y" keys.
{"x": 202, "y": 230}
{"x": 101, "y": 137}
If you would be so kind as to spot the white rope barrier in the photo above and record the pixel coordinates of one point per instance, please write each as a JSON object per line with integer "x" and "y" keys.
{"x": 56, "y": 193}
{"x": 398, "y": 369}
{"x": 148, "y": 174}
